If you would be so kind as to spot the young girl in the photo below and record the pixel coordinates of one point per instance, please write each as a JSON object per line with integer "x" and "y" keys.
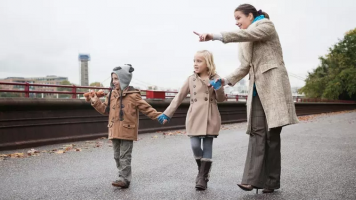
{"x": 123, "y": 105}
{"x": 203, "y": 118}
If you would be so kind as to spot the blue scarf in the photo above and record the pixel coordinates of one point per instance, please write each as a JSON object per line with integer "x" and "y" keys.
{"x": 255, "y": 20}
{"x": 258, "y": 18}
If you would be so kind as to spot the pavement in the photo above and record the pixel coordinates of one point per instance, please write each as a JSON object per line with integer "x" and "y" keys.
{"x": 318, "y": 162}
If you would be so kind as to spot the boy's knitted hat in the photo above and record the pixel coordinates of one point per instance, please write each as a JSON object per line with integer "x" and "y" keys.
{"x": 125, "y": 75}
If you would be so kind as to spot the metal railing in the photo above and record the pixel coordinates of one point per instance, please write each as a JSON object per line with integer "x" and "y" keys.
{"x": 309, "y": 100}
{"x": 28, "y": 88}
{"x": 149, "y": 94}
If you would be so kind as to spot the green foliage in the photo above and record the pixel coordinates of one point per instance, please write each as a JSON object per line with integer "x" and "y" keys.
{"x": 335, "y": 78}
{"x": 96, "y": 84}
{"x": 67, "y": 96}
{"x": 10, "y": 94}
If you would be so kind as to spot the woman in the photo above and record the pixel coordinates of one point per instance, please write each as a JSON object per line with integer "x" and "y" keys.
{"x": 270, "y": 104}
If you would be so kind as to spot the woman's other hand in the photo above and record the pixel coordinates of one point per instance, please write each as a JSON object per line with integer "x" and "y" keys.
{"x": 204, "y": 36}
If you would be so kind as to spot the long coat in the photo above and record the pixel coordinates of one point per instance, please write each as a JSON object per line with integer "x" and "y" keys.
{"x": 203, "y": 117}
{"x": 132, "y": 103}
{"x": 260, "y": 55}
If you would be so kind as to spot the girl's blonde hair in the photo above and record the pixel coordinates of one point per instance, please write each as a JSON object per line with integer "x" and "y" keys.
{"x": 209, "y": 59}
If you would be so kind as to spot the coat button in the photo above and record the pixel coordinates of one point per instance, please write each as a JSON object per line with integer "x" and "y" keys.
{"x": 211, "y": 99}
{"x": 195, "y": 93}
{"x": 193, "y": 79}
{"x": 195, "y": 100}
{"x": 194, "y": 86}
{"x": 206, "y": 98}
{"x": 207, "y": 92}
{"x": 128, "y": 125}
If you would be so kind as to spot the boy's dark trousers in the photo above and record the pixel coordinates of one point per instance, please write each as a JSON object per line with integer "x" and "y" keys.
{"x": 122, "y": 156}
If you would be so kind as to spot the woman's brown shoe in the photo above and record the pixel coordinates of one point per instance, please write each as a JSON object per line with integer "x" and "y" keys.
{"x": 248, "y": 187}
{"x": 245, "y": 187}
{"x": 267, "y": 190}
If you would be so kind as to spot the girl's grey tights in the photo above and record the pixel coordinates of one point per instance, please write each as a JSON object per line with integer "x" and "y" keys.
{"x": 198, "y": 151}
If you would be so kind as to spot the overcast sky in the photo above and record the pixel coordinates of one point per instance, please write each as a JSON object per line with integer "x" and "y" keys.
{"x": 44, "y": 37}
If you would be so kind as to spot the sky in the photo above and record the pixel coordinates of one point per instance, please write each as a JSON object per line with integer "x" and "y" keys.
{"x": 44, "y": 37}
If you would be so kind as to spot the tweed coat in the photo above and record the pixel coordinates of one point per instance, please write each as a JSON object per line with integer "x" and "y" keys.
{"x": 260, "y": 55}
{"x": 203, "y": 117}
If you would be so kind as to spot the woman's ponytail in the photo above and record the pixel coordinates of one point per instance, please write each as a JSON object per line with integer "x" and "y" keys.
{"x": 248, "y": 8}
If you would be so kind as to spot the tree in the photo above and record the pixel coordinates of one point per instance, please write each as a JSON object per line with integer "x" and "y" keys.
{"x": 65, "y": 89}
{"x": 65, "y": 83}
{"x": 11, "y": 94}
{"x": 96, "y": 84}
{"x": 335, "y": 77}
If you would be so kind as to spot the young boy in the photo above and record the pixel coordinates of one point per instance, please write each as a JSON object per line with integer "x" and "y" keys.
{"x": 122, "y": 105}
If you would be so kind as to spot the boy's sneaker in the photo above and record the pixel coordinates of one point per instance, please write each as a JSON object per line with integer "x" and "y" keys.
{"x": 119, "y": 183}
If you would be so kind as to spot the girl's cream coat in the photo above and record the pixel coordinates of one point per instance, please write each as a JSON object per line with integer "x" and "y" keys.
{"x": 203, "y": 117}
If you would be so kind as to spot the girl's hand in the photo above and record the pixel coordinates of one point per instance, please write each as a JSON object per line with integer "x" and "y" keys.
{"x": 162, "y": 119}
{"x": 204, "y": 36}
{"x": 216, "y": 84}
{"x": 217, "y": 80}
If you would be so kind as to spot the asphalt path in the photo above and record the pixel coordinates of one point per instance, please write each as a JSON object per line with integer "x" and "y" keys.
{"x": 318, "y": 162}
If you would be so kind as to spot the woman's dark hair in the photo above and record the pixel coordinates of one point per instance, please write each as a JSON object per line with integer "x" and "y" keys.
{"x": 247, "y": 9}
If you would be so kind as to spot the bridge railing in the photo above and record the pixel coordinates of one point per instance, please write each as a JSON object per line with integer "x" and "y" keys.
{"x": 78, "y": 91}
{"x": 29, "y": 88}
{"x": 322, "y": 100}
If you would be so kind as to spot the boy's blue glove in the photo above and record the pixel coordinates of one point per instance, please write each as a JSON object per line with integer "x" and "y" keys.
{"x": 216, "y": 85}
{"x": 163, "y": 117}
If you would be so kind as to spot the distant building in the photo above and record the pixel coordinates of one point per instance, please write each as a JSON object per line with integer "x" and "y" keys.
{"x": 239, "y": 88}
{"x": 48, "y": 80}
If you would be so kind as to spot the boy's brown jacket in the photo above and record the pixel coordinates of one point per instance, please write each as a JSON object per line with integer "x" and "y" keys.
{"x": 132, "y": 103}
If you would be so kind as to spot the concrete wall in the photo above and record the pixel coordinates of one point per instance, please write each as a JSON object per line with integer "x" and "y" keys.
{"x": 28, "y": 122}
